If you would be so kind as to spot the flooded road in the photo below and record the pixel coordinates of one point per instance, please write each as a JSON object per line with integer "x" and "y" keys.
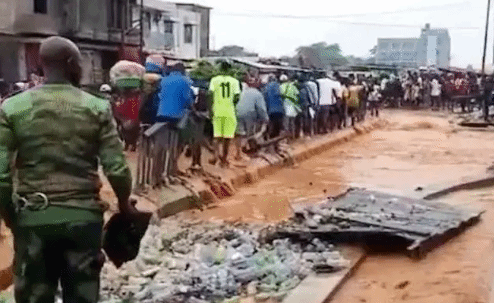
{"x": 415, "y": 149}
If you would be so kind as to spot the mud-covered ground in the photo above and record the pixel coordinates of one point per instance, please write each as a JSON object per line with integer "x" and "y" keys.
{"x": 415, "y": 149}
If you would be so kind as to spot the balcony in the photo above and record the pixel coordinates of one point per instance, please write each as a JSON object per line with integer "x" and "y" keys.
{"x": 40, "y": 24}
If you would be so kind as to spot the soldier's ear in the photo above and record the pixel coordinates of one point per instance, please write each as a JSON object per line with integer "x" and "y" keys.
{"x": 74, "y": 68}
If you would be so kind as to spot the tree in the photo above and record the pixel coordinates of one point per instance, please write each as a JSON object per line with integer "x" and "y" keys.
{"x": 352, "y": 60}
{"x": 373, "y": 51}
{"x": 321, "y": 55}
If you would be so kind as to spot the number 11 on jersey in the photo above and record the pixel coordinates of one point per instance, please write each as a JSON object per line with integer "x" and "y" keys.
{"x": 225, "y": 89}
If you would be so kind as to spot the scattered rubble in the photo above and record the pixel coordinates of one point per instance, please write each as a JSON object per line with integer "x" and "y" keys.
{"x": 214, "y": 262}
{"x": 366, "y": 216}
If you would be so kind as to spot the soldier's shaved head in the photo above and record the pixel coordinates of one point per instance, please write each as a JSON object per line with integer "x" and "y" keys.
{"x": 58, "y": 49}
{"x": 61, "y": 57}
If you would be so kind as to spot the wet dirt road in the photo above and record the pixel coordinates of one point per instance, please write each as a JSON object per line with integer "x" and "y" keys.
{"x": 415, "y": 149}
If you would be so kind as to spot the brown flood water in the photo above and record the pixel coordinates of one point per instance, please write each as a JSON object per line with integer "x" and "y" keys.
{"x": 417, "y": 148}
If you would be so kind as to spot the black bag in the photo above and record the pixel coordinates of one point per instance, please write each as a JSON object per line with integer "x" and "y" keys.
{"x": 122, "y": 236}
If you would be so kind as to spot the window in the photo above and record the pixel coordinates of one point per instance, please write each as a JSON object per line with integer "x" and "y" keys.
{"x": 115, "y": 13}
{"x": 41, "y": 6}
{"x": 147, "y": 20}
{"x": 188, "y": 33}
{"x": 395, "y": 46}
{"x": 168, "y": 27}
{"x": 169, "y": 36}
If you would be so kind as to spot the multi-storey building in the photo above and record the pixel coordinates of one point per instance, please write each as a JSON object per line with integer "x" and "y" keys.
{"x": 432, "y": 48}
{"x": 105, "y": 30}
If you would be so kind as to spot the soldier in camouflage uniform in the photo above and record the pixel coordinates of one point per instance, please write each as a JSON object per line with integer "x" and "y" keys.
{"x": 58, "y": 134}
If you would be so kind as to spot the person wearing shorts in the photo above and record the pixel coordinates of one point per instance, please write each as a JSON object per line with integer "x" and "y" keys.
{"x": 225, "y": 91}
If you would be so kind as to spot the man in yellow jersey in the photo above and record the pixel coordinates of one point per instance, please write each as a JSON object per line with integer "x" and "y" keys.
{"x": 225, "y": 92}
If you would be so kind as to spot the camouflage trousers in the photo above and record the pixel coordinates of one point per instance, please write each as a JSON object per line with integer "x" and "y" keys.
{"x": 69, "y": 254}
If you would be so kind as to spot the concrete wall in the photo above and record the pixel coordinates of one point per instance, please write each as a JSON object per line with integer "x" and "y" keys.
{"x": 204, "y": 25}
{"x": 93, "y": 19}
{"x": 9, "y": 61}
{"x": 7, "y": 15}
{"x": 92, "y": 71}
{"x": 189, "y": 50}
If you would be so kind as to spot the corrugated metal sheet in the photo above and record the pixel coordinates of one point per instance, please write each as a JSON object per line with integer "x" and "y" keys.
{"x": 369, "y": 217}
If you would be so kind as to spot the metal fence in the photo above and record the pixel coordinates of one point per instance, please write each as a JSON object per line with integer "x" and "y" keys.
{"x": 157, "y": 151}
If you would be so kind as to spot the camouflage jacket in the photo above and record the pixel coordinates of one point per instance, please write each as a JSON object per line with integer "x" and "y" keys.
{"x": 59, "y": 133}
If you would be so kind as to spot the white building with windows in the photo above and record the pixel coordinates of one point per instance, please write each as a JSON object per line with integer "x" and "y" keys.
{"x": 432, "y": 48}
{"x": 174, "y": 29}
{"x": 397, "y": 51}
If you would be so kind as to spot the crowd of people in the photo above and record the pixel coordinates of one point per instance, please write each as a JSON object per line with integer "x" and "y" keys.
{"x": 214, "y": 113}
{"x": 439, "y": 90}
{"x": 211, "y": 114}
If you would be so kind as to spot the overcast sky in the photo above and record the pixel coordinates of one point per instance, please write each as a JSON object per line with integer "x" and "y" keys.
{"x": 281, "y": 36}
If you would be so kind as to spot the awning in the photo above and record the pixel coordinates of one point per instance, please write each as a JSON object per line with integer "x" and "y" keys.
{"x": 98, "y": 47}
{"x": 269, "y": 68}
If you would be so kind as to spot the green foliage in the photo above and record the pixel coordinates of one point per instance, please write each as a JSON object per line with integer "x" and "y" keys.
{"x": 322, "y": 55}
{"x": 204, "y": 70}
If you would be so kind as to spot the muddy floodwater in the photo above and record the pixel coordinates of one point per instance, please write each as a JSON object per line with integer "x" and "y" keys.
{"x": 415, "y": 149}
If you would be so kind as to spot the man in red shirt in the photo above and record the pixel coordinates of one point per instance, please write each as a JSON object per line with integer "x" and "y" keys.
{"x": 447, "y": 91}
{"x": 126, "y": 112}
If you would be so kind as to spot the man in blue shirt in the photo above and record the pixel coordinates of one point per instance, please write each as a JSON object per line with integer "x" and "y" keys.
{"x": 176, "y": 96}
{"x": 274, "y": 105}
{"x": 176, "y": 99}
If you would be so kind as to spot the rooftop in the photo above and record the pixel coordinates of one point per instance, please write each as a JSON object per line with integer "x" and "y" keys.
{"x": 193, "y": 4}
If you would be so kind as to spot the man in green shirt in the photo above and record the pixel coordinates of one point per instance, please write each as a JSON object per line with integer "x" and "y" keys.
{"x": 225, "y": 92}
{"x": 58, "y": 134}
{"x": 290, "y": 94}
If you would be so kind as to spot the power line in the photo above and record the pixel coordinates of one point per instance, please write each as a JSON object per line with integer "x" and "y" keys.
{"x": 406, "y": 10}
{"x": 330, "y": 19}
{"x": 385, "y": 24}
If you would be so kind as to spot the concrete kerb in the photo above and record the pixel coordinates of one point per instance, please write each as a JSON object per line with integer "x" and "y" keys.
{"x": 175, "y": 200}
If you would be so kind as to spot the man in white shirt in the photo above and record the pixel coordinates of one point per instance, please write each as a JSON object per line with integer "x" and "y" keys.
{"x": 436, "y": 94}
{"x": 329, "y": 91}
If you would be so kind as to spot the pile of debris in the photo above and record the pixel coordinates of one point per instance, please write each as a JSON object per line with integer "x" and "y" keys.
{"x": 372, "y": 217}
{"x": 214, "y": 262}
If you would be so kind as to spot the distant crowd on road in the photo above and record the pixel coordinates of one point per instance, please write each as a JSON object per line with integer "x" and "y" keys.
{"x": 439, "y": 90}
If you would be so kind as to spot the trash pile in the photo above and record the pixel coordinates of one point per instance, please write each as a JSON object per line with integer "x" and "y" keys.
{"x": 371, "y": 217}
{"x": 215, "y": 262}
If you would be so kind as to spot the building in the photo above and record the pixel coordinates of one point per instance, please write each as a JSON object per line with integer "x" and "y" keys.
{"x": 105, "y": 30}
{"x": 204, "y": 25}
{"x": 177, "y": 30}
{"x": 397, "y": 51}
{"x": 432, "y": 48}
{"x": 96, "y": 26}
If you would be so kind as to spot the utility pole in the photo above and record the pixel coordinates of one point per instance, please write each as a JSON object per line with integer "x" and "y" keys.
{"x": 124, "y": 26}
{"x": 485, "y": 38}
{"x": 141, "y": 42}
